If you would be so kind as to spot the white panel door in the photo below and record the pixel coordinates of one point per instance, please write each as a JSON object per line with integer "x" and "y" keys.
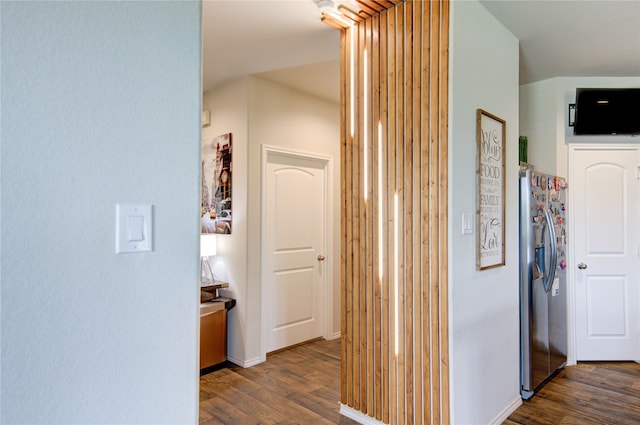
{"x": 607, "y": 244}
{"x": 295, "y": 201}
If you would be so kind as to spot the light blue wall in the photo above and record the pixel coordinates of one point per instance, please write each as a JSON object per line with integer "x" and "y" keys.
{"x": 544, "y": 115}
{"x": 484, "y": 305}
{"x": 100, "y": 105}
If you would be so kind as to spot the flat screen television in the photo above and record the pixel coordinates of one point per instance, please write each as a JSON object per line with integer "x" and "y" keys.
{"x": 607, "y": 111}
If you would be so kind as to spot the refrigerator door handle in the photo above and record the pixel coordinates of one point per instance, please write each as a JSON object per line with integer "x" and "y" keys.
{"x": 553, "y": 256}
{"x": 537, "y": 273}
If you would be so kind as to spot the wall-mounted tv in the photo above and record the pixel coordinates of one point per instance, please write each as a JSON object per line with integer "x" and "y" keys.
{"x": 607, "y": 111}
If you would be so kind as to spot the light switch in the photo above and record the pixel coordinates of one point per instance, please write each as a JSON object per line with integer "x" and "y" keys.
{"x": 134, "y": 228}
{"x": 467, "y": 224}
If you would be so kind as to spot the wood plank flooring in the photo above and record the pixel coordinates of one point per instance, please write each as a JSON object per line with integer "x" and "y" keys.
{"x": 587, "y": 394}
{"x": 299, "y": 385}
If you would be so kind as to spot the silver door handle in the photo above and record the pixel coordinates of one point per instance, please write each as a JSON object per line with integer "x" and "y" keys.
{"x": 553, "y": 259}
{"x": 320, "y": 257}
{"x": 537, "y": 273}
{"x": 582, "y": 266}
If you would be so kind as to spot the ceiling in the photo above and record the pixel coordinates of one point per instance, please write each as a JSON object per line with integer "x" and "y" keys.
{"x": 284, "y": 41}
{"x": 280, "y": 40}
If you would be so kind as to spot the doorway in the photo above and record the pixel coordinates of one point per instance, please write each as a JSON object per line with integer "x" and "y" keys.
{"x": 605, "y": 193}
{"x": 296, "y": 241}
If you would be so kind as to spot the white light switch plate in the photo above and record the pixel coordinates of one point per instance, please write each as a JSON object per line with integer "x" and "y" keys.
{"x": 134, "y": 228}
{"x": 467, "y": 224}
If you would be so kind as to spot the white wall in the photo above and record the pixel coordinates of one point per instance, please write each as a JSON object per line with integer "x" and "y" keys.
{"x": 229, "y": 114}
{"x": 100, "y": 105}
{"x": 544, "y": 120}
{"x": 286, "y": 118}
{"x": 484, "y": 305}
{"x": 261, "y": 112}
{"x": 544, "y": 115}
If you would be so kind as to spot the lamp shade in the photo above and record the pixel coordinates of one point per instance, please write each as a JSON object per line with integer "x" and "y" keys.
{"x": 207, "y": 245}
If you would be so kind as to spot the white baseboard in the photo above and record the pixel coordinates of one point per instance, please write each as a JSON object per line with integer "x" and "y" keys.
{"x": 517, "y": 402}
{"x": 334, "y": 335}
{"x": 358, "y": 416}
{"x": 244, "y": 363}
{"x": 368, "y": 420}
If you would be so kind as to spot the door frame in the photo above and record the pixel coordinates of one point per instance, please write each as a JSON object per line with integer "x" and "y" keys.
{"x": 572, "y": 344}
{"x": 327, "y": 289}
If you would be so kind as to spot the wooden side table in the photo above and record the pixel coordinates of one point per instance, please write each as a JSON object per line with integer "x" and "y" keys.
{"x": 213, "y": 325}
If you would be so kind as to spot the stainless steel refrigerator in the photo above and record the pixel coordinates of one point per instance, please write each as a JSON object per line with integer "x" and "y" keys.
{"x": 543, "y": 282}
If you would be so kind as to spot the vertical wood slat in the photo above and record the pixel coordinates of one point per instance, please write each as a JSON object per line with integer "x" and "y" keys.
{"x": 426, "y": 206}
{"x": 358, "y": 200}
{"x": 443, "y": 202}
{"x": 386, "y": 214}
{"x": 369, "y": 229}
{"x": 401, "y": 190}
{"x": 434, "y": 239}
{"x": 407, "y": 79}
{"x": 355, "y": 200}
{"x": 344, "y": 343}
{"x": 364, "y": 215}
{"x": 418, "y": 283}
{"x": 409, "y": 281}
{"x": 376, "y": 200}
{"x": 391, "y": 161}
{"x": 347, "y": 219}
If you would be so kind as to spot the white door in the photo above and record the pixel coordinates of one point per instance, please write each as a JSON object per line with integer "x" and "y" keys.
{"x": 605, "y": 189}
{"x": 295, "y": 203}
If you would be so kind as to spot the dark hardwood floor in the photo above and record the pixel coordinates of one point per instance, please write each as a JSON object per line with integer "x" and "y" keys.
{"x": 586, "y": 394}
{"x": 299, "y": 385}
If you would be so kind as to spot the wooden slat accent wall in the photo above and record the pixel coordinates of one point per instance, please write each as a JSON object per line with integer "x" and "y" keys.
{"x": 394, "y": 253}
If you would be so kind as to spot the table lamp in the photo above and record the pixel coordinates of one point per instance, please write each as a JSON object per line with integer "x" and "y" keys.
{"x": 207, "y": 249}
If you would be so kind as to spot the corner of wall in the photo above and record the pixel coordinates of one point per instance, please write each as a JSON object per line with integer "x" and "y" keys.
{"x": 229, "y": 114}
{"x": 484, "y": 320}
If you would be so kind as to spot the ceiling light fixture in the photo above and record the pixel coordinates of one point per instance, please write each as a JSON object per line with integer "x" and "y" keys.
{"x": 326, "y": 6}
{"x": 330, "y": 8}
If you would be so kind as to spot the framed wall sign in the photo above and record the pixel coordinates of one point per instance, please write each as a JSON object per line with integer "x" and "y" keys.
{"x": 490, "y": 135}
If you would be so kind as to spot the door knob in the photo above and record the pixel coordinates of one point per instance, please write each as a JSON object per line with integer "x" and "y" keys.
{"x": 320, "y": 257}
{"x": 582, "y": 266}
